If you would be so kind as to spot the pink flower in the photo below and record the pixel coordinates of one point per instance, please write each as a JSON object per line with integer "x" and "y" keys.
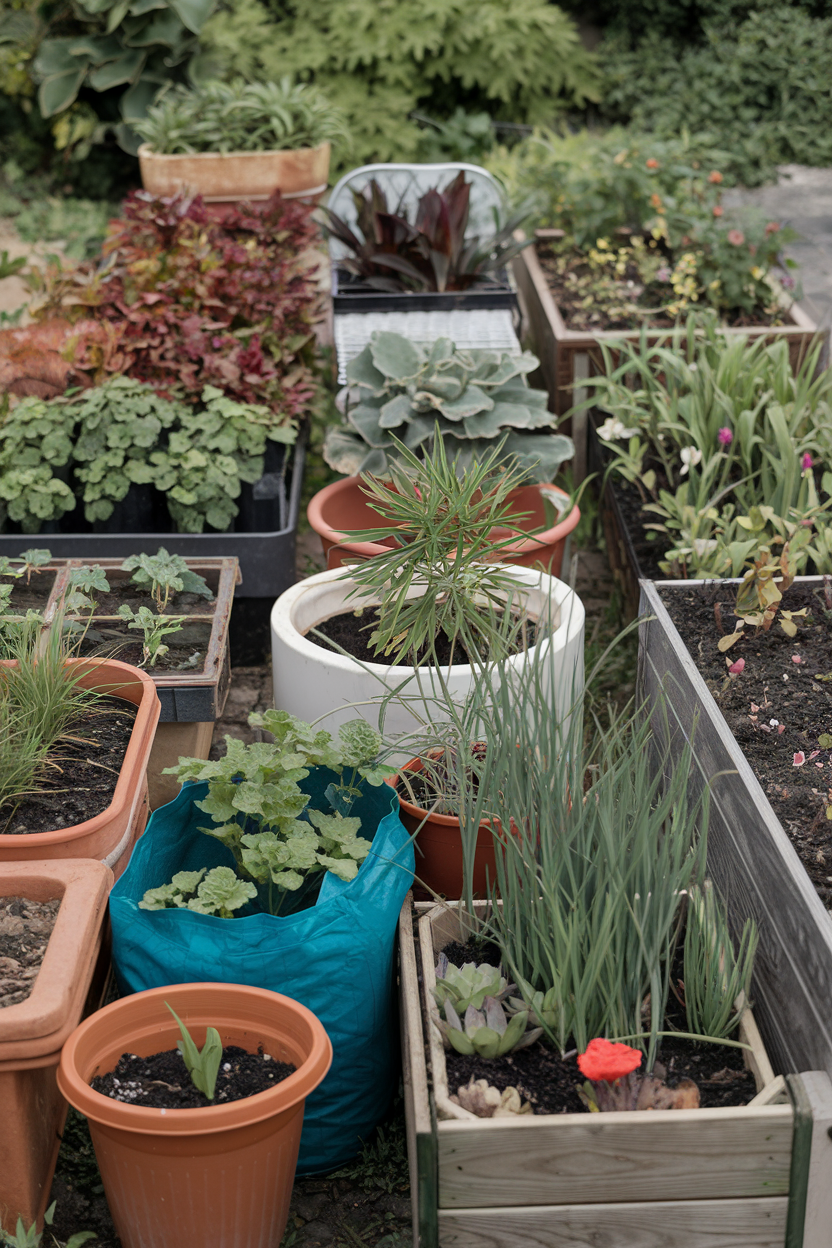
{"x": 799, "y": 759}
{"x": 736, "y": 668}
{"x": 772, "y": 227}
{"x": 736, "y": 237}
{"x": 781, "y": 729}
{"x": 663, "y": 274}
{"x": 806, "y": 462}
{"x": 725, "y": 437}
{"x": 796, "y": 658}
{"x": 787, "y": 281}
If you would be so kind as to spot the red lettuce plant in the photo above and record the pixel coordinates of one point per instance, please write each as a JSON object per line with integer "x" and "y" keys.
{"x": 193, "y": 301}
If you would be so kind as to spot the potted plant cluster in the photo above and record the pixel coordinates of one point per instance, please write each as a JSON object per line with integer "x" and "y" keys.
{"x": 474, "y": 399}
{"x": 239, "y": 141}
{"x": 410, "y": 626}
{"x": 636, "y": 235}
{"x": 599, "y": 981}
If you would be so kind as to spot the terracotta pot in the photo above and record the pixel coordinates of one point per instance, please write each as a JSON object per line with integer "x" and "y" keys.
{"x": 439, "y": 850}
{"x": 110, "y": 834}
{"x": 343, "y": 505}
{"x": 32, "y": 1110}
{"x": 228, "y": 177}
{"x": 211, "y": 1177}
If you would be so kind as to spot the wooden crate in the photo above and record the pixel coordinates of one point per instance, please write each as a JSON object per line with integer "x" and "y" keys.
{"x": 569, "y": 356}
{"x": 718, "y": 1178}
{"x": 750, "y": 855}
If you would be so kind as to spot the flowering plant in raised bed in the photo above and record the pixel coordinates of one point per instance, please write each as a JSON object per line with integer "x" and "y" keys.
{"x": 195, "y": 301}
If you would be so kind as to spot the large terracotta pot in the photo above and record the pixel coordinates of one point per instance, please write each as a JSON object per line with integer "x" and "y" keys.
{"x": 32, "y": 1110}
{"x": 228, "y": 177}
{"x": 111, "y": 834}
{"x": 218, "y": 1176}
{"x": 343, "y": 506}
{"x": 438, "y": 845}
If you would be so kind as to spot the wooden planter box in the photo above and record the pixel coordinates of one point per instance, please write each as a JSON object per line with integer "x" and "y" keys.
{"x": 750, "y": 856}
{"x": 708, "y": 1178}
{"x": 569, "y": 356}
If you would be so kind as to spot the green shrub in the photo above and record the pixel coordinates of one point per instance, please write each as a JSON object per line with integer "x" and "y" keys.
{"x": 378, "y": 60}
{"x": 761, "y": 90}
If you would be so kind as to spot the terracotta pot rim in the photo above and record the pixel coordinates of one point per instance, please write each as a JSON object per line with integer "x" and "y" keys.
{"x": 147, "y": 151}
{"x": 144, "y": 726}
{"x": 523, "y": 545}
{"x": 212, "y": 1120}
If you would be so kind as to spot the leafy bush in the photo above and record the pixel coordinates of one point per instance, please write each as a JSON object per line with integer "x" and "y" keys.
{"x": 378, "y": 60}
{"x": 98, "y": 444}
{"x": 194, "y": 302}
{"x": 474, "y": 397}
{"x": 242, "y": 117}
{"x": 762, "y": 89}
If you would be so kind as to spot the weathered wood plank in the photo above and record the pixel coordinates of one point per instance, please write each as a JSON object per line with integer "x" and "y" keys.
{"x": 816, "y": 1231}
{"x": 662, "y": 1224}
{"x": 750, "y": 858}
{"x": 684, "y": 1154}
{"x": 421, "y": 1142}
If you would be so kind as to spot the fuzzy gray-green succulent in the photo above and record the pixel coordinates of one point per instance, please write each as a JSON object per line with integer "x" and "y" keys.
{"x": 399, "y": 388}
{"x": 542, "y": 1007}
{"x": 488, "y": 1033}
{"x": 468, "y": 985}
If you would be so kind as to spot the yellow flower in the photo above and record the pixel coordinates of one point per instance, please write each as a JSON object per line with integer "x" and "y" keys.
{"x": 757, "y": 273}
{"x": 714, "y": 285}
{"x": 601, "y": 244}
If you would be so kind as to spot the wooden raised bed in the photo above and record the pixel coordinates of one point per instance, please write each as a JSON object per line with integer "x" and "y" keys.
{"x": 569, "y": 356}
{"x": 750, "y": 856}
{"x": 708, "y": 1178}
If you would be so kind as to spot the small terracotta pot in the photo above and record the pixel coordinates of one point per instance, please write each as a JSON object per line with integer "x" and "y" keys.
{"x": 109, "y": 835}
{"x": 226, "y": 178}
{"x": 202, "y": 1177}
{"x": 343, "y": 505}
{"x": 32, "y": 1110}
{"x": 439, "y": 850}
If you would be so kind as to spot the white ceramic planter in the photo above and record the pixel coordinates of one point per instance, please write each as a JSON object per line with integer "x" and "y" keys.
{"x": 314, "y": 682}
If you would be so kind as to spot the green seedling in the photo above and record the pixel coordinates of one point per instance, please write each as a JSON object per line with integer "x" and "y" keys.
{"x": 153, "y": 628}
{"x": 33, "y": 1238}
{"x": 81, "y": 583}
{"x": 164, "y": 575}
{"x": 203, "y": 1065}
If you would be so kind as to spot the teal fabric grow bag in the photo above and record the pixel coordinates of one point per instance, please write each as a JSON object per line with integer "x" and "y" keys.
{"x": 336, "y": 957}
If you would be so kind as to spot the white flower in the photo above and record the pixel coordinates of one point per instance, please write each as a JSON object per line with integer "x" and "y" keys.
{"x": 613, "y": 429}
{"x": 690, "y": 456}
{"x": 703, "y": 545}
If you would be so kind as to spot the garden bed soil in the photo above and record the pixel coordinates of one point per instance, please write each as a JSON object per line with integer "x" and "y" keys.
{"x": 550, "y": 1082}
{"x": 31, "y": 595}
{"x": 637, "y": 305}
{"x": 774, "y": 692}
{"x": 161, "y": 1081}
{"x": 351, "y": 630}
{"x": 122, "y": 590}
{"x": 25, "y": 929}
{"x": 83, "y": 772}
{"x": 115, "y": 640}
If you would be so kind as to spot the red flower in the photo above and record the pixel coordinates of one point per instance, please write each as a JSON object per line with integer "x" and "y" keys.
{"x": 736, "y": 237}
{"x": 606, "y": 1060}
{"x": 715, "y": 176}
{"x": 652, "y": 163}
{"x": 718, "y": 211}
{"x": 656, "y": 200}
{"x": 772, "y": 227}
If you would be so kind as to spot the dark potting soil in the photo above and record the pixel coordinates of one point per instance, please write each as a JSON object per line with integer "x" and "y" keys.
{"x": 81, "y": 780}
{"x": 636, "y": 304}
{"x": 122, "y": 590}
{"x": 25, "y": 928}
{"x": 351, "y": 631}
{"x": 648, "y": 552}
{"x": 187, "y": 648}
{"x": 778, "y": 709}
{"x": 161, "y": 1081}
{"x": 550, "y": 1082}
{"x": 31, "y": 595}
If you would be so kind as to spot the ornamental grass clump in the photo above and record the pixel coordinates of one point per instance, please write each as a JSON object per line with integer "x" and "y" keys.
{"x": 280, "y": 843}
{"x": 440, "y": 576}
{"x": 400, "y": 390}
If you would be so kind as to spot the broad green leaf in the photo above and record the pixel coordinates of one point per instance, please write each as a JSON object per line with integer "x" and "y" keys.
{"x": 113, "y": 74}
{"x": 193, "y": 13}
{"x": 56, "y": 94}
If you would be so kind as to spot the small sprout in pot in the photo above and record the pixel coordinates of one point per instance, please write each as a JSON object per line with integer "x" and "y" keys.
{"x": 203, "y": 1064}
{"x": 153, "y": 628}
{"x": 164, "y": 575}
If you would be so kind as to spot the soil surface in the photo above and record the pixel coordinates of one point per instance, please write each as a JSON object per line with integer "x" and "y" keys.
{"x": 648, "y": 550}
{"x": 161, "y": 1081}
{"x": 81, "y": 780}
{"x": 351, "y": 631}
{"x": 187, "y": 648}
{"x": 25, "y": 928}
{"x": 123, "y": 591}
{"x": 779, "y": 707}
{"x": 630, "y": 305}
{"x": 32, "y": 595}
